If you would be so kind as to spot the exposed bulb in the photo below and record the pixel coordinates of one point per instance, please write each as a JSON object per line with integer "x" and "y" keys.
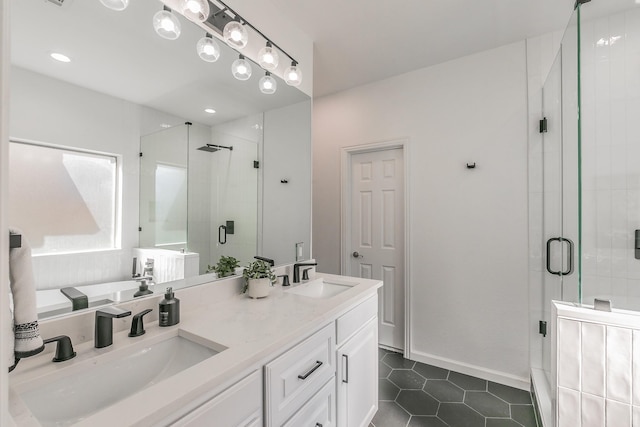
{"x": 268, "y": 84}
{"x": 117, "y": 5}
{"x": 268, "y": 57}
{"x": 241, "y": 69}
{"x": 235, "y": 34}
{"x": 293, "y": 75}
{"x": 195, "y": 10}
{"x": 166, "y": 24}
{"x": 207, "y": 48}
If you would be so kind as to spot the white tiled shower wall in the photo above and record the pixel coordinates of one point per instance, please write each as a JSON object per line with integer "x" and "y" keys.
{"x": 610, "y": 65}
{"x": 597, "y": 368}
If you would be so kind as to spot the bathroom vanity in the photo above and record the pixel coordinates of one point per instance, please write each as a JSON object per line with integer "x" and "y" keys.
{"x": 305, "y": 355}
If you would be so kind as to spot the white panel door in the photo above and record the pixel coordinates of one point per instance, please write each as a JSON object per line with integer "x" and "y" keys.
{"x": 377, "y": 234}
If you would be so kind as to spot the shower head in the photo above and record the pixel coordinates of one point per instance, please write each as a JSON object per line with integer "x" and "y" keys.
{"x": 212, "y": 148}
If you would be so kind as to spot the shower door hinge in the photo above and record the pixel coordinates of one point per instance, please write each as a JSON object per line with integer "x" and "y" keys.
{"x": 542, "y": 328}
{"x": 139, "y": 228}
{"x": 256, "y": 164}
{"x": 141, "y": 154}
{"x": 543, "y": 125}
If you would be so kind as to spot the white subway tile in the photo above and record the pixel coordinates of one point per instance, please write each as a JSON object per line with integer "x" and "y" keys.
{"x": 636, "y": 416}
{"x": 569, "y": 350}
{"x": 568, "y": 408}
{"x": 618, "y": 414}
{"x": 619, "y": 371}
{"x": 593, "y": 411}
{"x": 593, "y": 359}
{"x": 636, "y": 368}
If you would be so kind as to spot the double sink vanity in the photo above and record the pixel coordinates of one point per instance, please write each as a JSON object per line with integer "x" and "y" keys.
{"x": 305, "y": 355}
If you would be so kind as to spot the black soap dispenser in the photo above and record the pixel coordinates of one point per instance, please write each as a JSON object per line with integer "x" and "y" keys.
{"x": 169, "y": 309}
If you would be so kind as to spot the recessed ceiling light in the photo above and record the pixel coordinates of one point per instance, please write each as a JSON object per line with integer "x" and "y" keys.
{"x": 165, "y": 125}
{"x": 210, "y": 110}
{"x": 60, "y": 57}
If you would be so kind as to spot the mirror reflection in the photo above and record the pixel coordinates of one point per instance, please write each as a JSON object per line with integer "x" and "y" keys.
{"x": 118, "y": 174}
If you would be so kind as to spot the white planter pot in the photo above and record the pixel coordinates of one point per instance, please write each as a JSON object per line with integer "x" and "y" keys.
{"x": 259, "y": 288}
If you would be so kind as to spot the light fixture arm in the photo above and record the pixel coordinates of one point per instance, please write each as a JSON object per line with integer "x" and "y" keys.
{"x": 243, "y": 21}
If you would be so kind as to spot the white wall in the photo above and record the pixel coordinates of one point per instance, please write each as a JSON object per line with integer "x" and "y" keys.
{"x": 468, "y": 247}
{"x": 286, "y": 206}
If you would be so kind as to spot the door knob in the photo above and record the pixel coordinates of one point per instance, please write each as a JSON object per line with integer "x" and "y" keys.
{"x": 356, "y": 254}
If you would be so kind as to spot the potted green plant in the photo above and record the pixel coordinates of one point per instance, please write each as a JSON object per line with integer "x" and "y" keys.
{"x": 258, "y": 278}
{"x": 226, "y": 266}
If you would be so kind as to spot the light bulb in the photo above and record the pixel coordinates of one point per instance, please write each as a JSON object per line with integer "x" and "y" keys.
{"x": 166, "y": 24}
{"x": 235, "y": 34}
{"x": 195, "y": 10}
{"x": 117, "y": 5}
{"x": 60, "y": 57}
{"x": 268, "y": 57}
{"x": 293, "y": 75}
{"x": 268, "y": 84}
{"x": 241, "y": 69}
{"x": 207, "y": 48}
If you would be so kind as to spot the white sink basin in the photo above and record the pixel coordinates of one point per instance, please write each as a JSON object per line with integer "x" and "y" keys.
{"x": 96, "y": 384}
{"x": 321, "y": 288}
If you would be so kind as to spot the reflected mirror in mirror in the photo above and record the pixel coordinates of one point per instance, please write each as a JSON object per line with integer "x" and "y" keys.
{"x": 122, "y": 92}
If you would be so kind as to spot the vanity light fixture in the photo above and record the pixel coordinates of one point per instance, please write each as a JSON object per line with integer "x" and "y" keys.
{"x": 241, "y": 68}
{"x": 268, "y": 57}
{"x": 195, "y": 10}
{"x": 235, "y": 34}
{"x": 293, "y": 75}
{"x": 209, "y": 110}
{"x": 117, "y": 5}
{"x": 60, "y": 57}
{"x": 208, "y": 49}
{"x": 166, "y": 24}
{"x": 268, "y": 84}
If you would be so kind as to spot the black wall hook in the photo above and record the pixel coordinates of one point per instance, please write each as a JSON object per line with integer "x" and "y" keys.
{"x": 471, "y": 165}
{"x": 284, "y": 181}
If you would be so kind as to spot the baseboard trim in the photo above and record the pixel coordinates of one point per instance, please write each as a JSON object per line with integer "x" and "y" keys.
{"x": 521, "y": 383}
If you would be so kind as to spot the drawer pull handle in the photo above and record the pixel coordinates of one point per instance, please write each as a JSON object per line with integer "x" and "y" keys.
{"x": 304, "y": 377}
{"x": 345, "y": 358}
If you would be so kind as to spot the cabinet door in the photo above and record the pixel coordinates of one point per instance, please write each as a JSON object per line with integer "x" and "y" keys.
{"x": 320, "y": 411}
{"x": 238, "y": 406}
{"x": 358, "y": 377}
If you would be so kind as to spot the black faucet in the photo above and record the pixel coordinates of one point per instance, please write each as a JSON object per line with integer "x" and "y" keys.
{"x": 137, "y": 326}
{"x": 296, "y": 270}
{"x": 64, "y": 349}
{"x": 103, "y": 336}
{"x": 79, "y": 300}
{"x": 271, "y": 262}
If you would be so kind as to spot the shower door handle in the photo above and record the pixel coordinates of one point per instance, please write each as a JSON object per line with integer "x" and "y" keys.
{"x": 569, "y": 256}
{"x": 222, "y": 231}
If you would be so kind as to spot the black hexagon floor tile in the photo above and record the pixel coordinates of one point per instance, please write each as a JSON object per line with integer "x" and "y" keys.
{"x": 460, "y": 415}
{"x": 458, "y": 400}
{"x": 444, "y": 391}
{"x": 390, "y": 415}
{"x": 396, "y": 361}
{"x": 387, "y": 390}
{"x": 406, "y": 379}
{"x": 510, "y": 394}
{"x": 417, "y": 402}
{"x": 487, "y": 404}
{"x": 426, "y": 421}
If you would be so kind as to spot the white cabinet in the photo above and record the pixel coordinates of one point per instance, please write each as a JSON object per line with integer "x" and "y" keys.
{"x": 238, "y": 406}
{"x": 298, "y": 374}
{"x": 320, "y": 411}
{"x": 357, "y": 371}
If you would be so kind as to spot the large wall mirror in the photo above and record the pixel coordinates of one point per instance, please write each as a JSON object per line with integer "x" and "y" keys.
{"x": 114, "y": 158}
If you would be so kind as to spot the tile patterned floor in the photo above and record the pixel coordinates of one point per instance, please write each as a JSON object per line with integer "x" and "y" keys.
{"x": 412, "y": 394}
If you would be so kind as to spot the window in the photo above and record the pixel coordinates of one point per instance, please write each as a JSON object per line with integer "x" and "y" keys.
{"x": 63, "y": 200}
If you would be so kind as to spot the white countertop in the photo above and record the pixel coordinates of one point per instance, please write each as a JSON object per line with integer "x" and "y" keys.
{"x": 253, "y": 331}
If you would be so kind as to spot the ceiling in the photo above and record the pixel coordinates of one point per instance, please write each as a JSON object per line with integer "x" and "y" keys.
{"x": 119, "y": 54}
{"x": 362, "y": 41}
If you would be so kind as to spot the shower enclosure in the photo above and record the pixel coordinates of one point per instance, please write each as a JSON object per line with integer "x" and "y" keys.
{"x": 584, "y": 193}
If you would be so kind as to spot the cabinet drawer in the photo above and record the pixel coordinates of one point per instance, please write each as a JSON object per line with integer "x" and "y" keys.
{"x": 238, "y": 406}
{"x": 320, "y": 411}
{"x": 298, "y": 374}
{"x": 349, "y": 323}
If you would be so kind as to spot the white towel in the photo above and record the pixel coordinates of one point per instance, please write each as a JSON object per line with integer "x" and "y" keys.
{"x": 27, "y": 340}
